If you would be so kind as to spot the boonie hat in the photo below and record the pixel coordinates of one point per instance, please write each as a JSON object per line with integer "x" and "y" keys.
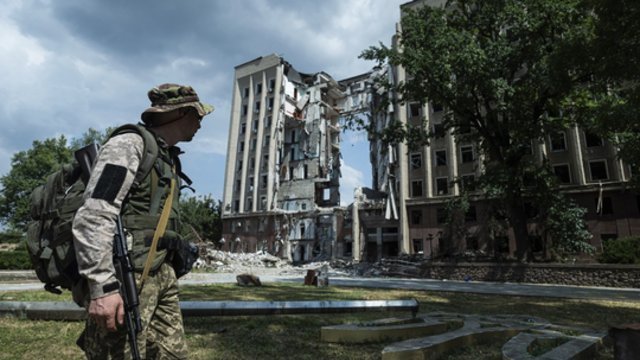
{"x": 168, "y": 97}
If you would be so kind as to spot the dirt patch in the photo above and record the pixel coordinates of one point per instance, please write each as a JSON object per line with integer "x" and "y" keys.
{"x": 8, "y": 247}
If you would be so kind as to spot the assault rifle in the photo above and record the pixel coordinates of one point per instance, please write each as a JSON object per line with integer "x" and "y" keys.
{"x": 121, "y": 260}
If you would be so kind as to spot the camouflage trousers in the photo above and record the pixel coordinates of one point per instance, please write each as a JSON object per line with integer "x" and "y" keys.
{"x": 162, "y": 335}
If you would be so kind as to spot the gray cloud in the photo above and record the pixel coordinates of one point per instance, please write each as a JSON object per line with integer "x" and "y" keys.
{"x": 74, "y": 64}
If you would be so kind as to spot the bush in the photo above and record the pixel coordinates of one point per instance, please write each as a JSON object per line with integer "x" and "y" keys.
{"x": 11, "y": 237}
{"x": 621, "y": 251}
{"x": 17, "y": 259}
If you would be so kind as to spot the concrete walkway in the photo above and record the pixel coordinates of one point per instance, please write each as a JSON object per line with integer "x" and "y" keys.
{"x": 25, "y": 280}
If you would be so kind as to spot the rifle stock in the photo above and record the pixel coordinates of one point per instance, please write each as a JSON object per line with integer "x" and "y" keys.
{"x": 121, "y": 260}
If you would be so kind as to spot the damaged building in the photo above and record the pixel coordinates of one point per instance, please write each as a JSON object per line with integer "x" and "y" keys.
{"x": 282, "y": 174}
{"x": 281, "y": 191}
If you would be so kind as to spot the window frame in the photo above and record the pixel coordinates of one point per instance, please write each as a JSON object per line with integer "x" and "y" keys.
{"x": 446, "y": 188}
{"x": 606, "y": 169}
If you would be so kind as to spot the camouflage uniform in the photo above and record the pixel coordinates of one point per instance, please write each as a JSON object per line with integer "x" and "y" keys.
{"x": 162, "y": 335}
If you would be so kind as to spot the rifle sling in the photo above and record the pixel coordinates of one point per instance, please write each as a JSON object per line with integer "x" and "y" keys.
{"x": 158, "y": 233}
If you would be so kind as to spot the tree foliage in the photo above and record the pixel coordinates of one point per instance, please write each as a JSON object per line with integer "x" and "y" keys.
{"x": 609, "y": 102}
{"x": 29, "y": 168}
{"x": 499, "y": 69}
{"x": 201, "y": 217}
{"x": 91, "y": 136}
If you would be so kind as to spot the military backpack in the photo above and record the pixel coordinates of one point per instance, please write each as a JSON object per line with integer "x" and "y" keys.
{"x": 53, "y": 207}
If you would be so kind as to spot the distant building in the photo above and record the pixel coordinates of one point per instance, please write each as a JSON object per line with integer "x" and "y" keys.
{"x": 282, "y": 174}
{"x": 422, "y": 181}
{"x": 281, "y": 190}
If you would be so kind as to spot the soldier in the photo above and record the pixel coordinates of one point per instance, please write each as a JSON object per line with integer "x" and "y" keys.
{"x": 174, "y": 116}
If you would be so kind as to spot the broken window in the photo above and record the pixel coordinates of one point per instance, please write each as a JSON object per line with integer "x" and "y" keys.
{"x": 558, "y": 141}
{"x": 416, "y": 160}
{"x": 416, "y": 217}
{"x": 245, "y": 109}
{"x": 466, "y": 154}
{"x": 438, "y": 130}
{"x": 415, "y": 110}
{"x": 437, "y": 107}
{"x": 598, "y": 170}
{"x": 267, "y": 139}
{"x": 241, "y": 145}
{"x": 416, "y": 188}
{"x": 263, "y": 183}
{"x": 468, "y": 182}
{"x": 259, "y": 88}
{"x": 441, "y": 157}
{"x": 604, "y": 205}
{"x": 272, "y": 85}
{"x": 270, "y": 103}
{"x": 442, "y": 186}
{"x": 563, "y": 173}
{"x": 303, "y": 229}
{"x": 245, "y": 93}
{"x": 305, "y": 170}
{"x": 417, "y": 246}
{"x": 257, "y": 108}
{"x": 326, "y": 194}
{"x": 253, "y": 144}
{"x": 441, "y": 215}
{"x": 592, "y": 140}
{"x": 243, "y": 128}
{"x": 267, "y": 122}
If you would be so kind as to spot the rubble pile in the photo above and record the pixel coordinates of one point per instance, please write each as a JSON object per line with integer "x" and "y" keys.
{"x": 223, "y": 261}
{"x": 214, "y": 260}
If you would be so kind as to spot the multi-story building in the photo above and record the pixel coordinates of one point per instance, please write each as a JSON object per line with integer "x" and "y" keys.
{"x": 282, "y": 175}
{"x": 422, "y": 181}
{"x": 281, "y": 190}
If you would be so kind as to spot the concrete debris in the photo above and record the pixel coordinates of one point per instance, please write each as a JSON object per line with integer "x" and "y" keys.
{"x": 248, "y": 280}
{"x": 214, "y": 260}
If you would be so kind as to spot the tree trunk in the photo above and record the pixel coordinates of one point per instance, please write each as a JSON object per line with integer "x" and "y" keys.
{"x": 518, "y": 219}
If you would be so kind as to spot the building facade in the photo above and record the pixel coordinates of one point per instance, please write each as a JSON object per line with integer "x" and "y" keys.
{"x": 281, "y": 191}
{"x": 282, "y": 174}
{"x": 423, "y": 181}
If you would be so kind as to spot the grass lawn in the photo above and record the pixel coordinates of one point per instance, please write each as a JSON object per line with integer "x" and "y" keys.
{"x": 297, "y": 336}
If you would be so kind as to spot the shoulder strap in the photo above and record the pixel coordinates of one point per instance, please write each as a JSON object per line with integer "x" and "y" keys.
{"x": 150, "y": 152}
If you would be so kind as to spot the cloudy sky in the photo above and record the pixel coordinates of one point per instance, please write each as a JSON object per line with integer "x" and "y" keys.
{"x": 68, "y": 65}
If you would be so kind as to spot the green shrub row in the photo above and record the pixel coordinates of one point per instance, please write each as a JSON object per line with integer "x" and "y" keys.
{"x": 621, "y": 251}
{"x": 15, "y": 260}
{"x": 11, "y": 237}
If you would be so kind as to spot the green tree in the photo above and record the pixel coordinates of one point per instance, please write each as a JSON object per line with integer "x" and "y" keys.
{"x": 29, "y": 168}
{"x": 498, "y": 69}
{"x": 609, "y": 103}
{"x": 91, "y": 136}
{"x": 201, "y": 215}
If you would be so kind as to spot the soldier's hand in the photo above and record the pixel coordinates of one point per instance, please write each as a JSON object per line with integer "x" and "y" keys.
{"x": 105, "y": 311}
